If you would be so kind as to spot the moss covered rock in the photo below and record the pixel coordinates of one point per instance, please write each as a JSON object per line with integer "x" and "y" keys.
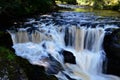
{"x": 34, "y": 72}
{"x": 9, "y": 68}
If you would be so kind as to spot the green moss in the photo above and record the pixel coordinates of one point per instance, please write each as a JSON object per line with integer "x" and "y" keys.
{"x": 1, "y": 33}
{"x": 15, "y": 68}
{"x": 9, "y": 67}
{"x": 6, "y": 54}
{"x": 10, "y": 57}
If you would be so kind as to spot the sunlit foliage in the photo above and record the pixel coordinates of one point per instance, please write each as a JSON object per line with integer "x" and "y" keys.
{"x": 98, "y": 4}
{"x": 68, "y": 1}
{"x": 85, "y": 2}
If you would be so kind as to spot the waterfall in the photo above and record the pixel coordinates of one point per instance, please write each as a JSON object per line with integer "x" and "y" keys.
{"x": 44, "y": 46}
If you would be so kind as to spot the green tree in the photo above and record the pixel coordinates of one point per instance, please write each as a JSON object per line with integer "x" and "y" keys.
{"x": 98, "y": 4}
{"x": 101, "y": 4}
{"x": 23, "y": 7}
{"x": 68, "y": 1}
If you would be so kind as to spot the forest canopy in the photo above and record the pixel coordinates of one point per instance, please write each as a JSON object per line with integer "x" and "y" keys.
{"x": 24, "y": 7}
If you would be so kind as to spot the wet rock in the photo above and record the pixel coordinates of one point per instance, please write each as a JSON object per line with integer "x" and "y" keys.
{"x": 112, "y": 44}
{"x": 68, "y": 77}
{"x": 9, "y": 68}
{"x": 54, "y": 66}
{"x": 34, "y": 72}
{"x": 112, "y": 49}
{"x": 28, "y": 25}
{"x": 68, "y": 57}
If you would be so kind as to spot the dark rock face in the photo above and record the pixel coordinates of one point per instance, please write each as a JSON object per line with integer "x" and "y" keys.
{"x": 5, "y": 39}
{"x": 68, "y": 57}
{"x": 34, "y": 72}
{"x": 10, "y": 70}
{"x": 112, "y": 49}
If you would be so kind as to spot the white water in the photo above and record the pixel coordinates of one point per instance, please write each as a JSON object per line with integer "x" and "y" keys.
{"x": 42, "y": 47}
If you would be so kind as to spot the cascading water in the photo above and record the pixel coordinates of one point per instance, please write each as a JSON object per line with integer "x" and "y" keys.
{"x": 46, "y": 44}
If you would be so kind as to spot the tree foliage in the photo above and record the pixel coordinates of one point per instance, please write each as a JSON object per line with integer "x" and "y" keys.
{"x": 98, "y": 4}
{"x": 68, "y": 1}
{"x": 24, "y": 7}
{"x": 107, "y": 4}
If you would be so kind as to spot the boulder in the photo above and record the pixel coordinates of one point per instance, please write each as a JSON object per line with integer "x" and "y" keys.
{"x": 9, "y": 68}
{"x": 68, "y": 57}
{"x": 34, "y": 72}
{"x": 112, "y": 49}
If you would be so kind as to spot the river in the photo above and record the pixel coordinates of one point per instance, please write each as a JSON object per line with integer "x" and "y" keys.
{"x": 67, "y": 43}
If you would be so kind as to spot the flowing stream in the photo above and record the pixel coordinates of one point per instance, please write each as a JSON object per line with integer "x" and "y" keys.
{"x": 49, "y": 40}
